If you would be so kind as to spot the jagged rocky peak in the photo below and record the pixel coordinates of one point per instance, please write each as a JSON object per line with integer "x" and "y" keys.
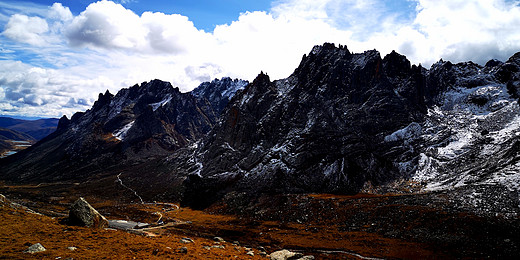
{"x": 509, "y": 73}
{"x": 321, "y": 55}
{"x": 396, "y": 65}
{"x": 63, "y": 123}
{"x": 493, "y": 63}
{"x": 316, "y": 131}
{"x": 258, "y": 86}
{"x": 225, "y": 87}
{"x": 149, "y": 120}
{"x": 345, "y": 122}
{"x": 219, "y": 91}
{"x": 103, "y": 99}
{"x": 328, "y": 47}
{"x": 151, "y": 93}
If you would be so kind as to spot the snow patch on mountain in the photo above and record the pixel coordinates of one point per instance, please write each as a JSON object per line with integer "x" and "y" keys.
{"x": 411, "y": 131}
{"x": 161, "y": 103}
{"x": 233, "y": 88}
{"x": 225, "y": 87}
{"x": 121, "y": 133}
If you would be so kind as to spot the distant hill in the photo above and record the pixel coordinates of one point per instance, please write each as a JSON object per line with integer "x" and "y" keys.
{"x": 12, "y": 141}
{"x": 37, "y": 129}
{"x": 9, "y": 134}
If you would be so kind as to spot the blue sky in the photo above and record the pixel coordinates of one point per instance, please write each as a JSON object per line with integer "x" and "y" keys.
{"x": 205, "y": 14}
{"x": 56, "y": 56}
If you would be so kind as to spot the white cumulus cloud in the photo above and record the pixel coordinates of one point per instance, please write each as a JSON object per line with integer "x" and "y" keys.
{"x": 31, "y": 91}
{"x": 26, "y": 29}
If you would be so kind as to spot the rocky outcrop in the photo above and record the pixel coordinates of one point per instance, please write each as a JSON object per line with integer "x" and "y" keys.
{"x": 320, "y": 130}
{"x": 83, "y": 214}
{"x": 348, "y": 122}
{"x": 143, "y": 122}
{"x": 4, "y": 202}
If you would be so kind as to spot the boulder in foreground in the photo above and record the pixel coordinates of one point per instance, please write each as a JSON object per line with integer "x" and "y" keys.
{"x": 35, "y": 249}
{"x": 82, "y": 214}
{"x": 285, "y": 255}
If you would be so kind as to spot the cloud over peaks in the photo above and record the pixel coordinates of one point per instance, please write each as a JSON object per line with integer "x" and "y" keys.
{"x": 56, "y": 62}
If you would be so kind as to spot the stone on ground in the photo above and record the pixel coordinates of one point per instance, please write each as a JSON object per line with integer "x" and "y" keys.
{"x": 285, "y": 255}
{"x": 81, "y": 213}
{"x": 35, "y": 249}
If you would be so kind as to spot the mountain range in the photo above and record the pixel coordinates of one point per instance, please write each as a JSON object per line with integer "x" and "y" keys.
{"x": 17, "y": 134}
{"x": 35, "y": 129}
{"x": 342, "y": 123}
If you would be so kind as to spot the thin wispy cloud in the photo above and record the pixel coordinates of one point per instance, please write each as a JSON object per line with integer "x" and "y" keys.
{"x": 53, "y": 62}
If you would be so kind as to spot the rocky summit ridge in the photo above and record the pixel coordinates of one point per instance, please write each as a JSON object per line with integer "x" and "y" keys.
{"x": 355, "y": 122}
{"x": 139, "y": 123}
{"x": 341, "y": 123}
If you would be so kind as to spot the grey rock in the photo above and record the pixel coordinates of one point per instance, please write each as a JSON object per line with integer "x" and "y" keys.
{"x": 72, "y": 248}
{"x": 219, "y": 239}
{"x": 83, "y": 214}
{"x": 186, "y": 240}
{"x": 183, "y": 250}
{"x": 251, "y": 253}
{"x": 35, "y": 249}
{"x": 285, "y": 255}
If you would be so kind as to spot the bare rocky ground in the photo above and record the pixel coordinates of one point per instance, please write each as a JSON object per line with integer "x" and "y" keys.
{"x": 420, "y": 226}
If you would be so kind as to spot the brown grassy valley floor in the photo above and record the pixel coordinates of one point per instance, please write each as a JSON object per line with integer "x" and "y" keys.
{"x": 325, "y": 226}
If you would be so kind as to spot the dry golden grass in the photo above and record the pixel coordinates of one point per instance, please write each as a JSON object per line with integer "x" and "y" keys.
{"x": 20, "y": 229}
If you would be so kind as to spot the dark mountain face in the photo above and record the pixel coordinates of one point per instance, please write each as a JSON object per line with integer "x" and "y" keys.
{"x": 320, "y": 130}
{"x": 345, "y": 123}
{"x": 341, "y": 123}
{"x": 137, "y": 124}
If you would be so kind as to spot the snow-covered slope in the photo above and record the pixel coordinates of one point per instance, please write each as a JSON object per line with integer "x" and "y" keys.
{"x": 219, "y": 91}
{"x": 470, "y": 136}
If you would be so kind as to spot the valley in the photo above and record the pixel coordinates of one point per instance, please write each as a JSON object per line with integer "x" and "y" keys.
{"x": 323, "y": 225}
{"x": 19, "y": 134}
{"x": 12, "y": 147}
